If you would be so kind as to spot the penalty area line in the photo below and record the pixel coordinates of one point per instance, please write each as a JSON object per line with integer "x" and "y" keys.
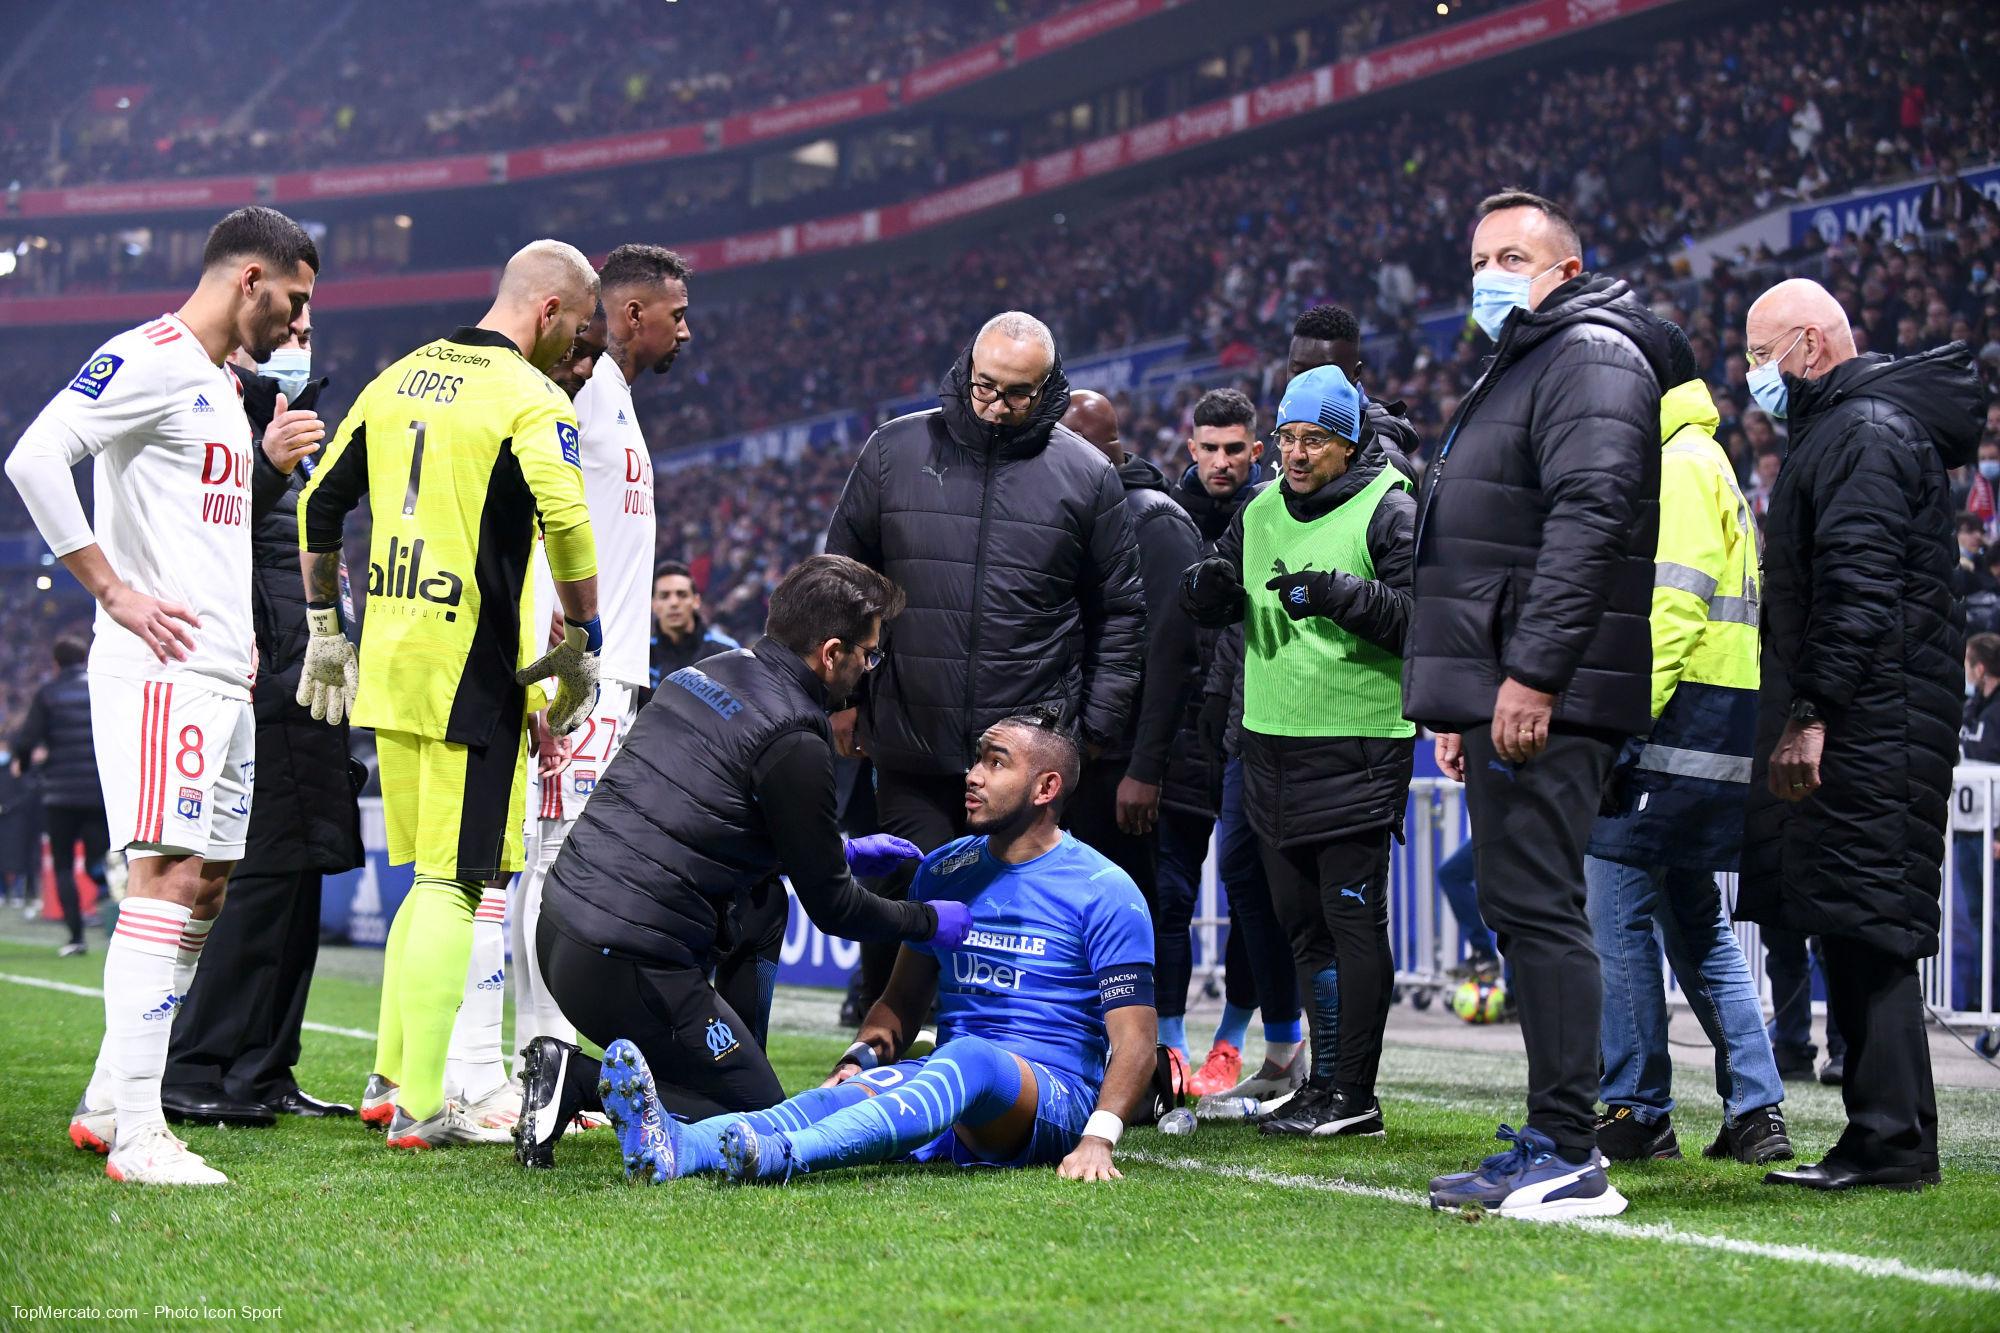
{"x": 1665, "y": 1232}
{"x": 93, "y": 992}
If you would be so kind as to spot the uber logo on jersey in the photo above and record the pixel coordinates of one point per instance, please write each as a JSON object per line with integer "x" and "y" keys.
{"x": 566, "y": 437}
{"x": 90, "y": 381}
{"x": 972, "y": 970}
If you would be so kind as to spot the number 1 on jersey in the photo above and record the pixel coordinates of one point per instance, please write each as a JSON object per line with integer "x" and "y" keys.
{"x": 416, "y": 468}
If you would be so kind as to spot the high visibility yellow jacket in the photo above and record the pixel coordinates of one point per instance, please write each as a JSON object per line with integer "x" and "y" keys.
{"x": 1682, "y": 804}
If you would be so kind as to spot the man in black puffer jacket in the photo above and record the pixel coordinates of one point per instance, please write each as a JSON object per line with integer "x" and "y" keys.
{"x": 237, "y": 1038}
{"x": 1530, "y": 648}
{"x": 58, "y": 724}
{"x": 1858, "y": 716}
{"x": 1117, "y": 804}
{"x": 1010, "y": 538}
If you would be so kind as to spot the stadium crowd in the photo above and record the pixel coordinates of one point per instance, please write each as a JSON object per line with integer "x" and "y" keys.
{"x": 1681, "y": 604}
{"x": 573, "y": 73}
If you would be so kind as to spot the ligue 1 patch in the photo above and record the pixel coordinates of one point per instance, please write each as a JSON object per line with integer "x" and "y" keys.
{"x": 189, "y": 805}
{"x": 566, "y": 437}
{"x": 90, "y": 381}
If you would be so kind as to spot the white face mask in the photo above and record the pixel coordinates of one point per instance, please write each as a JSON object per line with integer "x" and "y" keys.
{"x": 291, "y": 367}
{"x": 1497, "y": 294}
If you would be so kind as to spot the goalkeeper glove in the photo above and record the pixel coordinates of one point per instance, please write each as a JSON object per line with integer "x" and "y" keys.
{"x": 573, "y": 663}
{"x": 330, "y": 676}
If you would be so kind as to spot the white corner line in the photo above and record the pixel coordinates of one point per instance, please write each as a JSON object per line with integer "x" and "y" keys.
{"x": 1862, "y": 1264}
{"x": 1665, "y": 1232}
{"x": 93, "y": 992}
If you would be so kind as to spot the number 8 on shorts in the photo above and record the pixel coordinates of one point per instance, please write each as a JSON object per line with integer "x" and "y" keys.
{"x": 174, "y": 759}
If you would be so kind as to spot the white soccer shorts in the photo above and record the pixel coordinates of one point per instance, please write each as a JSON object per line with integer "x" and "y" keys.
{"x": 176, "y": 762}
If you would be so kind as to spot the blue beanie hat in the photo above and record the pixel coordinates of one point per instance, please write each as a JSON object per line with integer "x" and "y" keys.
{"x": 1323, "y": 397}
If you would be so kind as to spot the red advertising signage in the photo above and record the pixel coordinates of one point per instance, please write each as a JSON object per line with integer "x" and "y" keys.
{"x": 1418, "y": 58}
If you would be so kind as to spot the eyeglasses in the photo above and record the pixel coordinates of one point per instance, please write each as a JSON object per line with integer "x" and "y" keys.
{"x": 870, "y": 657}
{"x": 1016, "y": 397}
{"x": 1310, "y": 441}
{"x": 1756, "y": 358}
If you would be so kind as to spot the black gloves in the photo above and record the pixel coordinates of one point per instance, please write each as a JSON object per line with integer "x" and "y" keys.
{"x": 1315, "y": 592}
{"x": 1212, "y": 593}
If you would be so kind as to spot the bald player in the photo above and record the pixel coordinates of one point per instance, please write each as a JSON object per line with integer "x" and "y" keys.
{"x": 1844, "y": 833}
{"x": 467, "y": 447}
{"x": 1117, "y": 805}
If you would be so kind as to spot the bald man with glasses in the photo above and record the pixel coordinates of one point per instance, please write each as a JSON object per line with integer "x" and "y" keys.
{"x": 1009, "y": 536}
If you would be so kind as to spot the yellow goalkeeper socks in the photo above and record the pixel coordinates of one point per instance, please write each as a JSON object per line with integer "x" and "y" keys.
{"x": 430, "y": 983}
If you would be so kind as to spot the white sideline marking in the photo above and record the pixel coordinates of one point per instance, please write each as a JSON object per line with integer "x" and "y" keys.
{"x": 1865, "y": 1265}
{"x": 92, "y": 992}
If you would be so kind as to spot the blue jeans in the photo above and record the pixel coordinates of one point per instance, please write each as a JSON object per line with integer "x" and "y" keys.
{"x": 1454, "y": 880}
{"x": 1967, "y": 909}
{"x": 1627, "y": 904}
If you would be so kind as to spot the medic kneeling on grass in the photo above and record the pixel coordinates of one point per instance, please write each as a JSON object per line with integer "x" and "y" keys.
{"x": 1046, "y": 1029}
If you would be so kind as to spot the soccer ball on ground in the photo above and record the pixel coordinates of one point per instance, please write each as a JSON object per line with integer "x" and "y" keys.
{"x": 1478, "y": 1001}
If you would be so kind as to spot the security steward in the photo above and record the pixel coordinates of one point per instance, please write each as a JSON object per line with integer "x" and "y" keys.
{"x": 727, "y": 780}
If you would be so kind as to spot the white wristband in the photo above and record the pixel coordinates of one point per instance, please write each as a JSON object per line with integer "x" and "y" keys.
{"x": 1104, "y": 1125}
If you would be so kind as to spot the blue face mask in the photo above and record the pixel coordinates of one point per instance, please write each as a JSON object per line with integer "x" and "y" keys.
{"x": 1767, "y": 382}
{"x": 1989, "y": 468}
{"x": 1496, "y": 295}
{"x": 291, "y": 367}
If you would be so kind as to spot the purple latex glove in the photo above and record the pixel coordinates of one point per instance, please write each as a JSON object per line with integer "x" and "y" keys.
{"x": 954, "y": 921}
{"x": 880, "y": 854}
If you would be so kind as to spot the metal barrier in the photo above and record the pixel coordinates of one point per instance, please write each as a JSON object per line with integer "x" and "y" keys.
{"x": 1427, "y": 944}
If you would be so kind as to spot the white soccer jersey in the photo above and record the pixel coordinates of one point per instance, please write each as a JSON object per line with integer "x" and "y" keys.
{"x": 618, "y": 487}
{"x": 172, "y": 452}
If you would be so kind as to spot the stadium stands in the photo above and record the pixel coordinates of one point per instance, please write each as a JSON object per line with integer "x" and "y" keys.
{"x": 1368, "y": 211}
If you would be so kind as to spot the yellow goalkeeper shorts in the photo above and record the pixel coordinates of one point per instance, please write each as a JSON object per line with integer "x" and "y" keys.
{"x": 456, "y": 810}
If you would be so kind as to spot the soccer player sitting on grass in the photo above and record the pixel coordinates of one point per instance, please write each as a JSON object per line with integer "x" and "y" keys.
{"x": 1057, "y": 967}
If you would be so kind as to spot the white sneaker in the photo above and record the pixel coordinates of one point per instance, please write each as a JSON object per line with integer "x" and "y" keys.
{"x": 156, "y": 1157}
{"x": 1268, "y": 1087}
{"x": 92, "y": 1131}
{"x": 449, "y": 1126}
{"x": 499, "y": 1109}
{"x": 378, "y": 1102}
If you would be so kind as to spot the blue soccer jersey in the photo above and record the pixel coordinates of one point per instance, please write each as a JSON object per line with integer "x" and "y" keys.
{"x": 1054, "y": 942}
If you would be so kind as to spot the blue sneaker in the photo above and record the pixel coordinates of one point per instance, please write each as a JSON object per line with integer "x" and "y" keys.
{"x": 648, "y": 1140}
{"x": 1531, "y": 1182}
{"x": 750, "y": 1156}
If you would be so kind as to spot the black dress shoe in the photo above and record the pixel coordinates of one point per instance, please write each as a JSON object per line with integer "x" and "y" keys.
{"x": 1835, "y": 1175}
{"x": 297, "y": 1102}
{"x": 213, "y": 1106}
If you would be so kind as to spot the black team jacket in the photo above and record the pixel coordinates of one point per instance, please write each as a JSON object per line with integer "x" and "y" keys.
{"x": 1168, "y": 544}
{"x": 1858, "y": 617}
{"x": 1538, "y": 519}
{"x": 305, "y": 815}
{"x": 1015, "y": 551}
{"x": 726, "y": 780}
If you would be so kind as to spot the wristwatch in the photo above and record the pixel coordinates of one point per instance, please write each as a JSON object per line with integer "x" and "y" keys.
{"x": 1804, "y": 711}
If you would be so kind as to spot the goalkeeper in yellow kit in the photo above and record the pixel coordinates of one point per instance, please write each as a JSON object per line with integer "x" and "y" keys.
{"x": 465, "y": 447}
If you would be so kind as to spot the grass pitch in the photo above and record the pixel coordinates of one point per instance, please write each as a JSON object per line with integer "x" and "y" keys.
{"x": 324, "y": 1227}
